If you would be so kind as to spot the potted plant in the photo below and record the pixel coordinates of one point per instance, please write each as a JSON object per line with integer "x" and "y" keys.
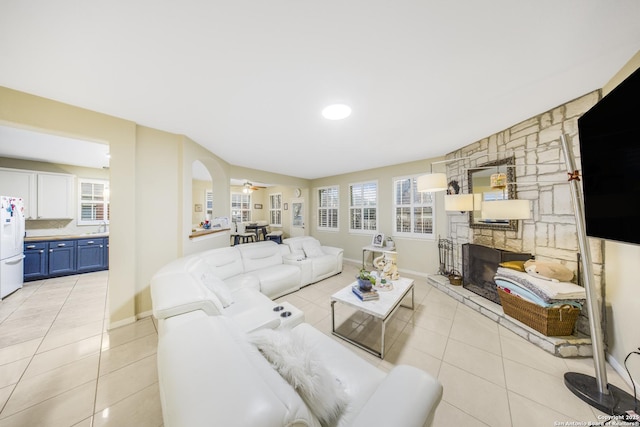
{"x": 365, "y": 280}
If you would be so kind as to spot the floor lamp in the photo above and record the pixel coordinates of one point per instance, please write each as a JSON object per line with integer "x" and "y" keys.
{"x": 593, "y": 390}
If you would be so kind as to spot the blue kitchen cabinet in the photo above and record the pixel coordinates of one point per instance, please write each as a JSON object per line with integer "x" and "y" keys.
{"x": 90, "y": 255}
{"x": 62, "y": 257}
{"x": 105, "y": 262}
{"x": 36, "y": 260}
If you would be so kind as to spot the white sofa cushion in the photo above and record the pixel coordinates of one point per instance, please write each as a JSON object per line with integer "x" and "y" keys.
{"x": 278, "y": 280}
{"x": 312, "y": 248}
{"x": 247, "y": 281}
{"x": 209, "y": 375}
{"x": 218, "y": 287}
{"x": 324, "y": 265}
{"x": 295, "y": 245}
{"x": 324, "y": 261}
{"x": 304, "y": 370}
{"x": 224, "y": 262}
{"x": 260, "y": 255}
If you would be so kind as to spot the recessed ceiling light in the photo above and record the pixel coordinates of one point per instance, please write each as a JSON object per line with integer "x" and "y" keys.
{"x": 336, "y": 112}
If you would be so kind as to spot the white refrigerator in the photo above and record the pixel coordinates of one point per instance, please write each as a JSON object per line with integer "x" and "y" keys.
{"x": 11, "y": 244}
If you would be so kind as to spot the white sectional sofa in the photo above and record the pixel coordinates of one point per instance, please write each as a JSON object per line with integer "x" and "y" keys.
{"x": 226, "y": 357}
{"x": 317, "y": 262}
{"x": 211, "y": 373}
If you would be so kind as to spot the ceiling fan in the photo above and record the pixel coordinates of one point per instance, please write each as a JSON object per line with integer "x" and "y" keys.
{"x": 249, "y": 187}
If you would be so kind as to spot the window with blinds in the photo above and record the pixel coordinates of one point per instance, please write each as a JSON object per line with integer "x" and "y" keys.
{"x": 93, "y": 206}
{"x": 275, "y": 209}
{"x": 414, "y": 211}
{"x": 208, "y": 197}
{"x": 240, "y": 207}
{"x": 363, "y": 207}
{"x": 328, "y": 208}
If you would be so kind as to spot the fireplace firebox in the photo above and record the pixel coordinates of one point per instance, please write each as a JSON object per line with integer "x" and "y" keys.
{"x": 479, "y": 266}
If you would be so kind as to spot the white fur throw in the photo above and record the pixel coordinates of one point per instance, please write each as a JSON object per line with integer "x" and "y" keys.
{"x": 289, "y": 355}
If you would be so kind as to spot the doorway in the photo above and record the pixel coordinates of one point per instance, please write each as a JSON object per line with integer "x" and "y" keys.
{"x": 297, "y": 217}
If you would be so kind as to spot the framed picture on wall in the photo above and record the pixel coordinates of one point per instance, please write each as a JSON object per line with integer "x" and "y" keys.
{"x": 198, "y": 207}
{"x": 257, "y": 206}
{"x": 286, "y": 206}
{"x": 378, "y": 240}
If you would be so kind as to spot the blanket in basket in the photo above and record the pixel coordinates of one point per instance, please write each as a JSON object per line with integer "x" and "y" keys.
{"x": 550, "y": 292}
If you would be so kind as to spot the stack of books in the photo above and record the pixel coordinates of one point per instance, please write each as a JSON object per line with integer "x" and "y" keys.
{"x": 365, "y": 295}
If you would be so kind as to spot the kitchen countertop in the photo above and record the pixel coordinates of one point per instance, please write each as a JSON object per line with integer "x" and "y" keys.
{"x": 65, "y": 237}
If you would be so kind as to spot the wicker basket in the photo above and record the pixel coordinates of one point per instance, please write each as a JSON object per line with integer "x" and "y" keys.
{"x": 455, "y": 278}
{"x": 556, "y": 321}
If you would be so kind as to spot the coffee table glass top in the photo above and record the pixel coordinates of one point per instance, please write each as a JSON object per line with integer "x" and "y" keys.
{"x": 380, "y": 308}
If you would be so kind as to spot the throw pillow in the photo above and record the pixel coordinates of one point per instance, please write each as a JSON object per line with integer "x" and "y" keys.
{"x": 553, "y": 271}
{"x": 513, "y": 265}
{"x": 300, "y": 367}
{"x": 218, "y": 287}
{"x": 312, "y": 249}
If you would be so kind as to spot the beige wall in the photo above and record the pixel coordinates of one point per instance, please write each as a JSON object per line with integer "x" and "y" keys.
{"x": 219, "y": 172}
{"x": 32, "y": 112}
{"x": 157, "y": 192}
{"x": 621, "y": 280}
{"x": 414, "y": 255}
{"x": 150, "y": 173}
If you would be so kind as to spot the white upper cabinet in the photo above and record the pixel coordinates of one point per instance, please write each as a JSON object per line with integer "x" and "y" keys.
{"x": 20, "y": 183}
{"x": 55, "y": 196}
{"x": 46, "y": 195}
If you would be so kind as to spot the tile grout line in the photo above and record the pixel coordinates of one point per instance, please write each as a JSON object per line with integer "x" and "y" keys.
{"x": 37, "y": 348}
{"x": 102, "y": 332}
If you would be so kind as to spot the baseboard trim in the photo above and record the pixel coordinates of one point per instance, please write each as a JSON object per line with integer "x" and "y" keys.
{"x": 358, "y": 263}
{"x": 144, "y": 314}
{"x": 619, "y": 368}
{"x": 123, "y": 322}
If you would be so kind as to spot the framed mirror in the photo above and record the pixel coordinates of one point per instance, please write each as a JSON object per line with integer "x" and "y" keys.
{"x": 480, "y": 185}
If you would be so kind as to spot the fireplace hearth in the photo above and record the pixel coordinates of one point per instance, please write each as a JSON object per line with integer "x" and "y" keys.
{"x": 479, "y": 266}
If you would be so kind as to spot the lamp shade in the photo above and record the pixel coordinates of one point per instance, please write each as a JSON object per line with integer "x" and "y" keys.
{"x": 477, "y": 201}
{"x": 432, "y": 182}
{"x": 506, "y": 209}
{"x": 458, "y": 202}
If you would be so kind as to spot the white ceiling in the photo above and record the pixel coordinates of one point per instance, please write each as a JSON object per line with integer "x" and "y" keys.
{"x": 26, "y": 144}
{"x": 248, "y": 79}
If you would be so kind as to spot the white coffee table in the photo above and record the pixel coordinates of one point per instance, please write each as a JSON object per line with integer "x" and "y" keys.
{"x": 382, "y": 308}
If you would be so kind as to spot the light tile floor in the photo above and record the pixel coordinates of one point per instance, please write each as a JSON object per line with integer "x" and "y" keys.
{"x": 59, "y": 366}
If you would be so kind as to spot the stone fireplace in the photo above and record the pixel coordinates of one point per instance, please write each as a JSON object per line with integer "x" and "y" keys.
{"x": 479, "y": 266}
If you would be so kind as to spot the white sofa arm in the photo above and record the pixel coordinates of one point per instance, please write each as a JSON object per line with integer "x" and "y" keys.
{"x": 407, "y": 397}
{"x": 178, "y": 293}
{"x": 330, "y": 250}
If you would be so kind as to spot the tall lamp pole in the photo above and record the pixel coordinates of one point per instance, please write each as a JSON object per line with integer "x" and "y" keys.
{"x": 594, "y": 391}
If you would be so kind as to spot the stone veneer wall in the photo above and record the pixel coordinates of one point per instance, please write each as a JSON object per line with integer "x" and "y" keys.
{"x": 551, "y": 233}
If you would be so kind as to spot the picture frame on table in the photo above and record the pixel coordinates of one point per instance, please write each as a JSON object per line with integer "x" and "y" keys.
{"x": 378, "y": 240}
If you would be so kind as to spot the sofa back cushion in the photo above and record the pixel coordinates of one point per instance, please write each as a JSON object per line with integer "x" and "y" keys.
{"x": 223, "y": 262}
{"x": 260, "y": 255}
{"x": 295, "y": 245}
{"x": 312, "y": 248}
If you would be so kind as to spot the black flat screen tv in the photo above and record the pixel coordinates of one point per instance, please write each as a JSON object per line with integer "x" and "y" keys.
{"x": 610, "y": 158}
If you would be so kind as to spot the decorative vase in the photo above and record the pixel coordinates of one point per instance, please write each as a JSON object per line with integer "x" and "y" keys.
{"x": 365, "y": 285}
